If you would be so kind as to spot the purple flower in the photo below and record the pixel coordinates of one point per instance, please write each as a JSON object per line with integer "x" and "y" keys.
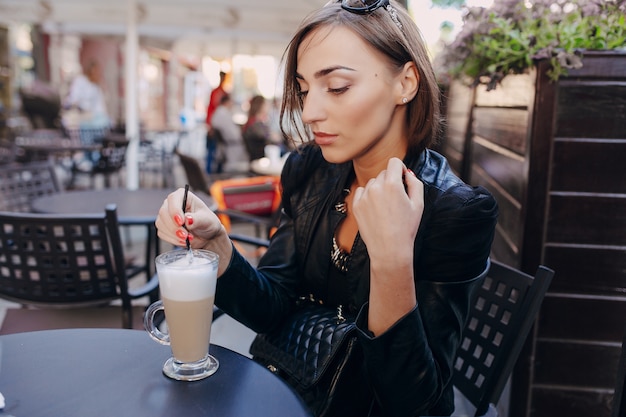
{"x": 506, "y": 8}
{"x": 590, "y": 8}
{"x": 569, "y": 60}
{"x": 512, "y": 34}
{"x": 544, "y": 53}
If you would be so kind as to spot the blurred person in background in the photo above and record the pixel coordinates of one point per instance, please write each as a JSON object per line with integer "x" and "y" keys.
{"x": 85, "y": 115}
{"x": 87, "y": 99}
{"x": 211, "y": 140}
{"x": 276, "y": 134}
{"x": 256, "y": 131}
{"x": 231, "y": 154}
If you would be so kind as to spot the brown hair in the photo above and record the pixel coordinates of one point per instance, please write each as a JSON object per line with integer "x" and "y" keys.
{"x": 225, "y": 98}
{"x": 398, "y": 45}
{"x": 256, "y": 104}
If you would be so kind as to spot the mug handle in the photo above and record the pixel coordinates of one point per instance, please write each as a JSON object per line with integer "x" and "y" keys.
{"x": 148, "y": 322}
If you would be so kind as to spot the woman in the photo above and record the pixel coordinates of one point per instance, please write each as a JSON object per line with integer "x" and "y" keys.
{"x": 231, "y": 155}
{"x": 372, "y": 220}
{"x": 87, "y": 97}
{"x": 211, "y": 139}
{"x": 256, "y": 131}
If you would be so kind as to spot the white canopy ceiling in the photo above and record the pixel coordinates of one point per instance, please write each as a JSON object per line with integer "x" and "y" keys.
{"x": 218, "y": 27}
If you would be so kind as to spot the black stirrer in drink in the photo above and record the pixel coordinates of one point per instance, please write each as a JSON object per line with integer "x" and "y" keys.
{"x": 184, "y": 210}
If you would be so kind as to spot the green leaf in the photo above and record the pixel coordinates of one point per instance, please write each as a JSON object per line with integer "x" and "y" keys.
{"x": 507, "y": 38}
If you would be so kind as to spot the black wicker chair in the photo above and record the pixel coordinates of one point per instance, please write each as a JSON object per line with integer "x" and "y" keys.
{"x": 20, "y": 183}
{"x": 503, "y": 311}
{"x": 110, "y": 162}
{"x": 194, "y": 173}
{"x": 8, "y": 151}
{"x": 66, "y": 261}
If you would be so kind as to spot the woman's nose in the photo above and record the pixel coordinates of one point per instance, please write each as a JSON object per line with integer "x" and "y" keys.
{"x": 312, "y": 109}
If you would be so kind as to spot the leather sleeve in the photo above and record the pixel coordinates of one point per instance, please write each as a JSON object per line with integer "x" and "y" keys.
{"x": 260, "y": 297}
{"x": 410, "y": 365}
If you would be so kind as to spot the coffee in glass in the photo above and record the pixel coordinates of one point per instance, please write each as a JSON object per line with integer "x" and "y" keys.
{"x": 187, "y": 281}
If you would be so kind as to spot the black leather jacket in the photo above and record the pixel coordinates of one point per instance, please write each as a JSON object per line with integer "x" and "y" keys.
{"x": 409, "y": 366}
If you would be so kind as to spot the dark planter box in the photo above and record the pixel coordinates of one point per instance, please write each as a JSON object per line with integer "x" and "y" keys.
{"x": 554, "y": 156}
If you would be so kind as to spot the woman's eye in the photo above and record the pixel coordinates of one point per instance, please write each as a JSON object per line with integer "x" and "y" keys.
{"x": 339, "y": 90}
{"x": 302, "y": 94}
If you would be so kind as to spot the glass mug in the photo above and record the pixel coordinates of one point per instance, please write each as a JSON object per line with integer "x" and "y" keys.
{"x": 187, "y": 286}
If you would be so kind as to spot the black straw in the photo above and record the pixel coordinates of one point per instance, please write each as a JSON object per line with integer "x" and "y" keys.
{"x": 185, "y": 208}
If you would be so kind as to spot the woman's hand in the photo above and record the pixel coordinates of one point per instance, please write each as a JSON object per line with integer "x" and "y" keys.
{"x": 197, "y": 222}
{"x": 388, "y": 216}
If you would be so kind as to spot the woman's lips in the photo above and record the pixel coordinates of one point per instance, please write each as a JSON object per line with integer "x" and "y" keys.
{"x": 324, "y": 138}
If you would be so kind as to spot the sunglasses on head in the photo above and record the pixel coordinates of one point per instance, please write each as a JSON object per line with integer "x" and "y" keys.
{"x": 363, "y": 6}
{"x": 368, "y": 6}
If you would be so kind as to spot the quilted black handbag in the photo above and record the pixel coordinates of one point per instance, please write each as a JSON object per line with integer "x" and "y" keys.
{"x": 316, "y": 352}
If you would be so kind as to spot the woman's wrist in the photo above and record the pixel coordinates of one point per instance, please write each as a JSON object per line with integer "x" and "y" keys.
{"x": 221, "y": 244}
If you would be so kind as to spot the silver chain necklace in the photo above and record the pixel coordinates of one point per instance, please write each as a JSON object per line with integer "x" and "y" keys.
{"x": 338, "y": 256}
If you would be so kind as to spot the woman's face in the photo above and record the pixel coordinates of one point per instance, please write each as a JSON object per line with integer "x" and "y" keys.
{"x": 350, "y": 97}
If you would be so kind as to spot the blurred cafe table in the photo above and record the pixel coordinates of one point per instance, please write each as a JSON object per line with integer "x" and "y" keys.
{"x": 134, "y": 208}
{"x": 117, "y": 372}
{"x": 53, "y": 147}
{"x": 47, "y": 146}
{"x": 264, "y": 166}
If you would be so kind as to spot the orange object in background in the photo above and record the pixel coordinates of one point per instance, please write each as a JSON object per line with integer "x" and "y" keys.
{"x": 256, "y": 196}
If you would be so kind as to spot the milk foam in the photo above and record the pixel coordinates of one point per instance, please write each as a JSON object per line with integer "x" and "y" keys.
{"x": 182, "y": 281}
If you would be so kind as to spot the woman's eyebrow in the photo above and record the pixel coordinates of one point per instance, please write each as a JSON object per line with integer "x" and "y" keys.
{"x": 325, "y": 71}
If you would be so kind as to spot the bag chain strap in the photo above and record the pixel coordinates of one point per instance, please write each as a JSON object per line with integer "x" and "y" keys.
{"x": 311, "y": 298}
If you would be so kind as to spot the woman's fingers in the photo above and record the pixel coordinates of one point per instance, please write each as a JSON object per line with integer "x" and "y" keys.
{"x": 414, "y": 188}
{"x": 389, "y": 207}
{"x": 174, "y": 225}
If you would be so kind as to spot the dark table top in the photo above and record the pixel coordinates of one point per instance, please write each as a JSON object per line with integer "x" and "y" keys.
{"x": 133, "y": 206}
{"x": 111, "y": 372}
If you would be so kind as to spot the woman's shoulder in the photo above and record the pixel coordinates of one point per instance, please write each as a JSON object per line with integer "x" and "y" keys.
{"x": 434, "y": 171}
{"x": 460, "y": 225}
{"x": 447, "y": 192}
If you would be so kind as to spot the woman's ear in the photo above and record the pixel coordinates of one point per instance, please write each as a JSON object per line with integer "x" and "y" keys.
{"x": 409, "y": 81}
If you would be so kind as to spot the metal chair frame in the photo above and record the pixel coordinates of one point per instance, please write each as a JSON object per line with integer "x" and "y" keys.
{"x": 503, "y": 310}
{"x": 217, "y": 189}
{"x": 112, "y": 159}
{"x": 255, "y": 200}
{"x": 21, "y": 183}
{"x": 66, "y": 261}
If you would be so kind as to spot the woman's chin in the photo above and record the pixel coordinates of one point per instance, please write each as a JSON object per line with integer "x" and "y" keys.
{"x": 333, "y": 156}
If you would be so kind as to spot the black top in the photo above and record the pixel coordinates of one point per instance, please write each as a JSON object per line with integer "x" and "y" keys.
{"x": 409, "y": 367}
{"x": 256, "y": 135}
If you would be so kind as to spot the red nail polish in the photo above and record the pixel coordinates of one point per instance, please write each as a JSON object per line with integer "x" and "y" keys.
{"x": 189, "y": 220}
{"x": 411, "y": 172}
{"x": 181, "y": 234}
{"x": 178, "y": 219}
